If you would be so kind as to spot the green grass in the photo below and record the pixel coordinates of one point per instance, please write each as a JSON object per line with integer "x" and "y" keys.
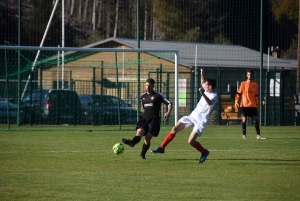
{"x": 68, "y": 163}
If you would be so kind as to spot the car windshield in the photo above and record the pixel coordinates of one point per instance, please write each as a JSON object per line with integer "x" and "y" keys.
{"x": 3, "y": 106}
{"x": 35, "y": 96}
{"x": 63, "y": 97}
{"x": 86, "y": 100}
{"x": 109, "y": 101}
{"x": 115, "y": 102}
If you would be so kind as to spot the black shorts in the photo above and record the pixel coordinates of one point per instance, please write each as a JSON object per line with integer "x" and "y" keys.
{"x": 151, "y": 126}
{"x": 249, "y": 111}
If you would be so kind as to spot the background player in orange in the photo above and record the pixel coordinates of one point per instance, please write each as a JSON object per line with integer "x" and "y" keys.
{"x": 248, "y": 93}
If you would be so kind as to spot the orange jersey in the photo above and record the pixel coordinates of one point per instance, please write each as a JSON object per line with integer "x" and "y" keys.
{"x": 249, "y": 93}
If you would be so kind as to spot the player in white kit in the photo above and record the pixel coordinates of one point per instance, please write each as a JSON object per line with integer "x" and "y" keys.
{"x": 198, "y": 118}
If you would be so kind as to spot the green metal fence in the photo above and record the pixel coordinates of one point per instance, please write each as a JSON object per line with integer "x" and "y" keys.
{"x": 278, "y": 101}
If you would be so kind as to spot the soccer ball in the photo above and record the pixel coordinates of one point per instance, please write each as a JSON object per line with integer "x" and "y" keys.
{"x": 118, "y": 148}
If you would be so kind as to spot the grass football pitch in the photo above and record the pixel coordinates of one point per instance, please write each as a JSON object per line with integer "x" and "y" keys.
{"x": 69, "y": 163}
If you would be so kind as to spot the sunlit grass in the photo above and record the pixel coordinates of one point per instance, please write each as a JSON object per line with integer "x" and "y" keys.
{"x": 69, "y": 163}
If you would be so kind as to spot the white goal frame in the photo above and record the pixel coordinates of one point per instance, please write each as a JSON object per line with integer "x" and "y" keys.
{"x": 75, "y": 49}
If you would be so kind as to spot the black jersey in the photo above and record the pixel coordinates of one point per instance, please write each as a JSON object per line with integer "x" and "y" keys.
{"x": 152, "y": 104}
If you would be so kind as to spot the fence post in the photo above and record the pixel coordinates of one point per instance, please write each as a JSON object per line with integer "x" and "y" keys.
{"x": 101, "y": 91}
{"x": 71, "y": 81}
{"x": 30, "y": 97}
{"x": 267, "y": 99}
{"x": 274, "y": 95}
{"x": 41, "y": 88}
{"x": 94, "y": 92}
{"x": 7, "y": 93}
{"x": 160, "y": 77}
{"x": 157, "y": 79}
{"x": 219, "y": 95}
{"x": 118, "y": 90}
{"x": 281, "y": 92}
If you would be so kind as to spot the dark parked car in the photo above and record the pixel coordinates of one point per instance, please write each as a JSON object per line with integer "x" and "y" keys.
{"x": 52, "y": 106}
{"x": 106, "y": 109}
{"x": 13, "y": 111}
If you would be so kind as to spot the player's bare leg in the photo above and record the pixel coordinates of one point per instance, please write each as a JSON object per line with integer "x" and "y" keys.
{"x": 177, "y": 128}
{"x": 192, "y": 141}
{"x": 244, "y": 121}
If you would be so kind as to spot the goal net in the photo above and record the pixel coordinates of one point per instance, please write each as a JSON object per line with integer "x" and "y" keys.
{"x": 97, "y": 86}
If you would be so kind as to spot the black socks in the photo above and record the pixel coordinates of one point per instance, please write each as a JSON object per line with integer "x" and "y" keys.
{"x": 136, "y": 139}
{"x": 144, "y": 150}
{"x": 257, "y": 128}
{"x": 244, "y": 128}
{"x": 256, "y": 125}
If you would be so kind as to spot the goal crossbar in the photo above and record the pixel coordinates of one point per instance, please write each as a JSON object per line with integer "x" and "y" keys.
{"x": 75, "y": 49}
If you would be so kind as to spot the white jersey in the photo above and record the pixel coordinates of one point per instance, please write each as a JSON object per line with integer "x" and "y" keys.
{"x": 199, "y": 117}
{"x": 203, "y": 110}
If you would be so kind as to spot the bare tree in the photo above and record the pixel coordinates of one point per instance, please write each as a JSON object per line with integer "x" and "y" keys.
{"x": 146, "y": 20}
{"x": 133, "y": 18}
{"x": 116, "y": 20}
{"x": 67, "y": 6}
{"x": 153, "y": 23}
{"x": 85, "y": 9}
{"x": 108, "y": 19}
{"x": 298, "y": 57}
{"x": 151, "y": 28}
{"x": 79, "y": 9}
{"x": 72, "y": 7}
{"x": 94, "y": 14}
{"x": 100, "y": 13}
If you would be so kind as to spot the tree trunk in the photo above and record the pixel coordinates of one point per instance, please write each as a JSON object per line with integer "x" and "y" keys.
{"x": 116, "y": 21}
{"x": 94, "y": 14}
{"x": 146, "y": 20}
{"x": 85, "y": 9}
{"x": 298, "y": 56}
{"x": 67, "y": 6}
{"x": 153, "y": 23}
{"x": 133, "y": 18}
{"x": 151, "y": 28}
{"x": 79, "y": 9}
{"x": 100, "y": 14}
{"x": 108, "y": 19}
{"x": 72, "y": 7}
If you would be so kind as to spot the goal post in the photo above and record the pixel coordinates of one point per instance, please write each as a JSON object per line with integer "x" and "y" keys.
{"x": 81, "y": 58}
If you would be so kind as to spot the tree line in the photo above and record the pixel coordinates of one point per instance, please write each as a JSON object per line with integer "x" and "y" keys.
{"x": 205, "y": 21}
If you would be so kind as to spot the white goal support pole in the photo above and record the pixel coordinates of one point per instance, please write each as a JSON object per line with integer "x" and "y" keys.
{"x": 41, "y": 44}
{"x": 57, "y": 78}
{"x": 176, "y": 87}
{"x": 76, "y": 49}
{"x": 195, "y": 81}
{"x": 63, "y": 44}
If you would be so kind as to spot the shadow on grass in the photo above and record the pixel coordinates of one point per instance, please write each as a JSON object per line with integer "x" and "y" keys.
{"x": 283, "y": 138}
{"x": 246, "y": 161}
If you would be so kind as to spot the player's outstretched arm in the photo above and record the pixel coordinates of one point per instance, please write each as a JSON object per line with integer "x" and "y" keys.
{"x": 202, "y": 77}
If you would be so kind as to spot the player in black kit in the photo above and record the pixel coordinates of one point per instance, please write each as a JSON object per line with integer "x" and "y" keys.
{"x": 149, "y": 124}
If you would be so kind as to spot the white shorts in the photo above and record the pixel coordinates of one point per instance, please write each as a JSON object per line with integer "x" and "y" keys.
{"x": 198, "y": 125}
